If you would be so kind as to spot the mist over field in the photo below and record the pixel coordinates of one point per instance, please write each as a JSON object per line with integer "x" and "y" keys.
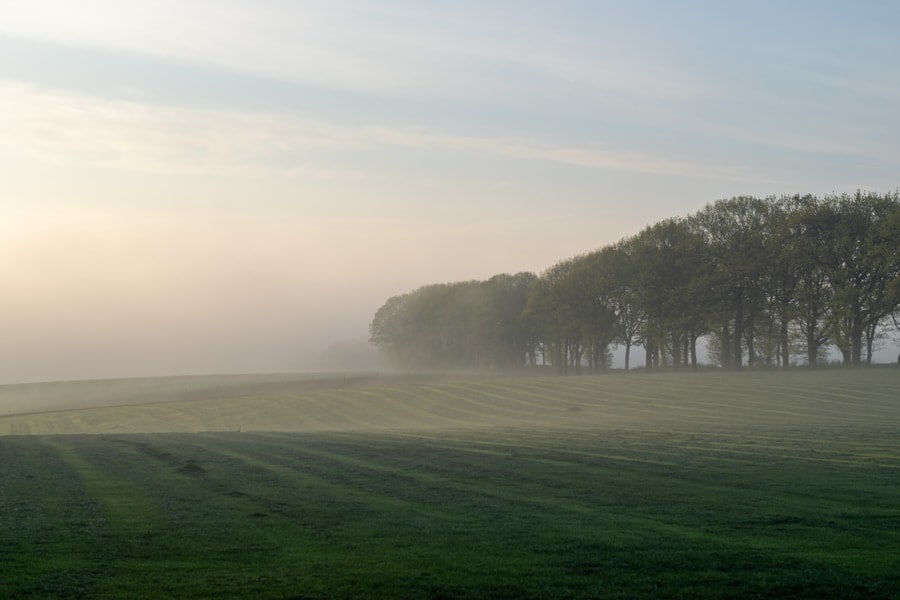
{"x": 777, "y": 402}
{"x": 718, "y": 484}
{"x": 496, "y": 300}
{"x": 238, "y": 187}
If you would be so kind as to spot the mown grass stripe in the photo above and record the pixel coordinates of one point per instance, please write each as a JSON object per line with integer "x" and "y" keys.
{"x": 541, "y": 512}
{"x": 51, "y": 530}
{"x": 419, "y": 405}
{"x": 702, "y": 401}
{"x": 297, "y": 474}
{"x": 121, "y": 500}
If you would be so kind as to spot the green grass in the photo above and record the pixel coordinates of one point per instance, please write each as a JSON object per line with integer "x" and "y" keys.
{"x": 669, "y": 401}
{"x": 665, "y": 486}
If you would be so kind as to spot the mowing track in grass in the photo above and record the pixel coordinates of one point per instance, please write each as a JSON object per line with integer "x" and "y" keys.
{"x": 503, "y": 514}
{"x": 647, "y": 485}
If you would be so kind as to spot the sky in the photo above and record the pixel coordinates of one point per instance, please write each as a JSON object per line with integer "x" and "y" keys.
{"x": 224, "y": 186}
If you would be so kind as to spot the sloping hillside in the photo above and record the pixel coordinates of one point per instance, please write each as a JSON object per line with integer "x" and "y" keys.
{"x": 669, "y": 401}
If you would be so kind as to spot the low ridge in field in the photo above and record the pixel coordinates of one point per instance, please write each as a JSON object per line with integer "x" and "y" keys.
{"x": 684, "y": 401}
{"x": 640, "y": 485}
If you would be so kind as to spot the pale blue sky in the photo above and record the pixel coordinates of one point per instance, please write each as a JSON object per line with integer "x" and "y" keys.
{"x": 210, "y": 186}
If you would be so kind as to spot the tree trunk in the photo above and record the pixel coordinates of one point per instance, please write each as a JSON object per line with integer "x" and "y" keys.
{"x": 726, "y": 346}
{"x": 871, "y": 330}
{"x": 783, "y": 339}
{"x": 739, "y": 333}
{"x": 676, "y": 350}
{"x": 750, "y": 338}
{"x": 648, "y": 355}
{"x": 812, "y": 347}
{"x": 751, "y": 349}
{"x": 856, "y": 335}
{"x": 846, "y": 356}
{"x": 693, "y": 349}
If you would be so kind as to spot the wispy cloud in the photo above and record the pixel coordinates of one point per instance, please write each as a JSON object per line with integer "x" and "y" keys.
{"x": 69, "y": 129}
{"x": 848, "y": 140}
{"x": 454, "y": 52}
{"x": 73, "y": 130}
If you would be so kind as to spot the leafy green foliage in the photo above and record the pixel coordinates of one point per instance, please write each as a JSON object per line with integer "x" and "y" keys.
{"x": 466, "y": 324}
{"x": 750, "y": 274}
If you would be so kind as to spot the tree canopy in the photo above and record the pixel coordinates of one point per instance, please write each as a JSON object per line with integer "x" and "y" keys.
{"x": 772, "y": 281}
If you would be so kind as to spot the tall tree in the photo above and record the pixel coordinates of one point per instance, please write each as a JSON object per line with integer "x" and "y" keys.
{"x": 735, "y": 231}
{"x": 618, "y": 265}
{"x": 670, "y": 261}
{"x": 592, "y": 288}
{"x": 808, "y": 234}
{"x": 862, "y": 256}
{"x": 502, "y": 327}
{"x": 553, "y": 312}
{"x": 748, "y": 273}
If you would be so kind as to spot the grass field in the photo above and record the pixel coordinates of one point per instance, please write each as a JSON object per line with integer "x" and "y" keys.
{"x": 709, "y": 485}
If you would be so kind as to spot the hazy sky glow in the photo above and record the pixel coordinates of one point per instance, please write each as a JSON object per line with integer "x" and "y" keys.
{"x": 228, "y": 186}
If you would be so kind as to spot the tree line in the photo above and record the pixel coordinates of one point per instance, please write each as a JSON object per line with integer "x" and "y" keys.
{"x": 765, "y": 282}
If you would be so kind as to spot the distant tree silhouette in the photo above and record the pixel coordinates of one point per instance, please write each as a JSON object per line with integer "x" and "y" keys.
{"x": 761, "y": 279}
